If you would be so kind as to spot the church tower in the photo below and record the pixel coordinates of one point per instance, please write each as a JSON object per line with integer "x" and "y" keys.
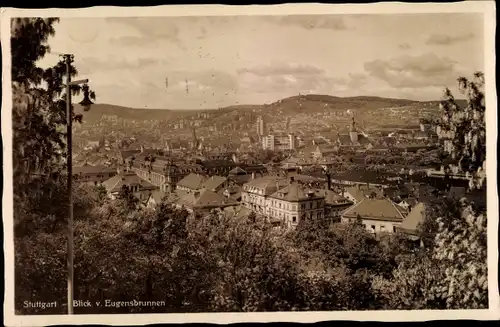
{"x": 353, "y": 133}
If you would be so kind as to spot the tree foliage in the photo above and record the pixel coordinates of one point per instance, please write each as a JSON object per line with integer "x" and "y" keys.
{"x": 452, "y": 273}
{"x": 465, "y": 127}
{"x": 38, "y": 113}
{"x": 218, "y": 261}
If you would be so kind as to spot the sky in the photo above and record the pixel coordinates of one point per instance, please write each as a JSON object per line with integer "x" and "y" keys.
{"x": 230, "y": 60}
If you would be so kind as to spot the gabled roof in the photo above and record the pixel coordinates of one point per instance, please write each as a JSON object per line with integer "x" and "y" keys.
{"x": 376, "y": 209}
{"x": 362, "y": 192}
{"x": 192, "y": 181}
{"x": 294, "y": 193}
{"x": 213, "y": 182}
{"x": 204, "y": 199}
{"x": 115, "y": 183}
{"x": 267, "y": 183}
{"x": 414, "y": 218}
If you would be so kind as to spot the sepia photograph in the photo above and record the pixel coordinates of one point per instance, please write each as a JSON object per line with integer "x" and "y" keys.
{"x": 211, "y": 160}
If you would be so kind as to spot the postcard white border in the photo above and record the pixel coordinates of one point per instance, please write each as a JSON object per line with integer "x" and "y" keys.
{"x": 486, "y": 7}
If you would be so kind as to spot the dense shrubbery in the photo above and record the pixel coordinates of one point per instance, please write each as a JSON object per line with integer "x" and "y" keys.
{"x": 216, "y": 262}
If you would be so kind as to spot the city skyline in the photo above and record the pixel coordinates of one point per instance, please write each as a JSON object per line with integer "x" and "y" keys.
{"x": 271, "y": 57}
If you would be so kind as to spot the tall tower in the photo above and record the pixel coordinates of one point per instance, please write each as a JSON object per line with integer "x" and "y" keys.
{"x": 353, "y": 133}
{"x": 261, "y": 127}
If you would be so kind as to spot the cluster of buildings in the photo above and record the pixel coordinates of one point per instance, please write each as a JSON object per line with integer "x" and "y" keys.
{"x": 283, "y": 193}
{"x": 288, "y": 201}
{"x": 285, "y": 199}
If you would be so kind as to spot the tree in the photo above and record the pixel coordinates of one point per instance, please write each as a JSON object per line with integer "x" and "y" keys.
{"x": 128, "y": 200}
{"x": 39, "y": 113}
{"x": 461, "y": 248}
{"x": 464, "y": 127}
{"x": 453, "y": 272}
{"x": 40, "y": 194}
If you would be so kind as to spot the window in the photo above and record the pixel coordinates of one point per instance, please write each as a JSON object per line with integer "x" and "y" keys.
{"x": 394, "y": 229}
{"x": 382, "y": 228}
{"x": 373, "y": 227}
{"x": 294, "y": 219}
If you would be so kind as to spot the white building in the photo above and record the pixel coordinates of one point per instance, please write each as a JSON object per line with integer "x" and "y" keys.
{"x": 284, "y": 203}
{"x": 377, "y": 215}
{"x": 279, "y": 142}
{"x": 261, "y": 127}
{"x": 293, "y": 203}
{"x": 256, "y": 192}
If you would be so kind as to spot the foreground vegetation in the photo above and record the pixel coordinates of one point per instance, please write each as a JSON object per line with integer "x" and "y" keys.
{"x": 219, "y": 262}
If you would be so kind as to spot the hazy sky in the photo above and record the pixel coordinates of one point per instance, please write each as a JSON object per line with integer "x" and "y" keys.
{"x": 229, "y": 60}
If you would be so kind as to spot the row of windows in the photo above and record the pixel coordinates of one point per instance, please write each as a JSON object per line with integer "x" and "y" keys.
{"x": 383, "y": 228}
{"x": 309, "y": 215}
{"x": 284, "y": 205}
{"x": 253, "y": 189}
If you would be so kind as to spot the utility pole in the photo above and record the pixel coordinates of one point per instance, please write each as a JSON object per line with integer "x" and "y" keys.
{"x": 69, "y": 163}
{"x": 68, "y": 58}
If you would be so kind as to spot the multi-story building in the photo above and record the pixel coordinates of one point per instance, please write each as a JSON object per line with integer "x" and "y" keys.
{"x": 293, "y": 203}
{"x": 162, "y": 172}
{"x": 284, "y": 203}
{"x": 377, "y": 215}
{"x": 139, "y": 187}
{"x": 279, "y": 142}
{"x": 256, "y": 192}
{"x": 261, "y": 127}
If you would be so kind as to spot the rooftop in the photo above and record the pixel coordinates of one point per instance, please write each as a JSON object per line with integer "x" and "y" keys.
{"x": 414, "y": 218}
{"x": 213, "y": 182}
{"x": 115, "y": 183}
{"x": 192, "y": 181}
{"x": 376, "y": 209}
{"x": 295, "y": 193}
{"x": 204, "y": 199}
{"x": 93, "y": 170}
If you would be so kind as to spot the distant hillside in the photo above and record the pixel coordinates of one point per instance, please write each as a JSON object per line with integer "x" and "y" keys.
{"x": 99, "y": 110}
{"x": 318, "y": 102}
{"x": 311, "y": 103}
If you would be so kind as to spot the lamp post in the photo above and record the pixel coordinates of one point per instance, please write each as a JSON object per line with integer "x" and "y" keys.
{"x": 69, "y": 162}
